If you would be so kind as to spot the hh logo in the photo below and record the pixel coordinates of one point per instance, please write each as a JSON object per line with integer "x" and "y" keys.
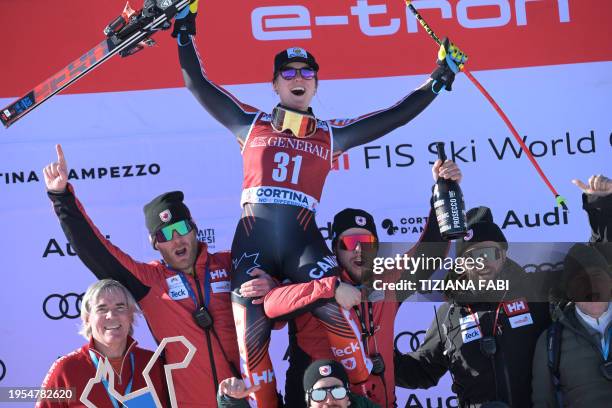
{"x": 218, "y": 274}
{"x": 516, "y": 307}
{"x": 265, "y": 377}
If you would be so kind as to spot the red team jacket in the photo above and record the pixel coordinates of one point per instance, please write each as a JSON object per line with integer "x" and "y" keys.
{"x": 165, "y": 303}
{"x": 74, "y": 370}
{"x": 288, "y": 299}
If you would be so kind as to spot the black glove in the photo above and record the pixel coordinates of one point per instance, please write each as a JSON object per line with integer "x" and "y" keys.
{"x": 184, "y": 22}
{"x": 450, "y": 61}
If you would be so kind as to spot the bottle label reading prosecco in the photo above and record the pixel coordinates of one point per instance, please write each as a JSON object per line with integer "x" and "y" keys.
{"x": 450, "y": 212}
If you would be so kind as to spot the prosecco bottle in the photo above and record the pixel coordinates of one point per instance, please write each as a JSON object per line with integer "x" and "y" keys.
{"x": 449, "y": 205}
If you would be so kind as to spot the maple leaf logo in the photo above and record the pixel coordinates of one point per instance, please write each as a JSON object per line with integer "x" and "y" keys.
{"x": 246, "y": 263}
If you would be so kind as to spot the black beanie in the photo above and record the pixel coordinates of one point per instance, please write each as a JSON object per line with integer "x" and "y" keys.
{"x": 323, "y": 369}
{"x": 165, "y": 209}
{"x": 481, "y": 228}
{"x": 352, "y": 218}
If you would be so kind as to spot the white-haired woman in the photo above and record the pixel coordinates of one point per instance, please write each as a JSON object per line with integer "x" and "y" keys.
{"x": 107, "y": 314}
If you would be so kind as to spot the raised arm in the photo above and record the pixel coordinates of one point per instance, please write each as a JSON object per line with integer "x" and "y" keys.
{"x": 369, "y": 127}
{"x": 95, "y": 251}
{"x": 223, "y": 106}
{"x": 431, "y": 246}
{"x": 597, "y": 202}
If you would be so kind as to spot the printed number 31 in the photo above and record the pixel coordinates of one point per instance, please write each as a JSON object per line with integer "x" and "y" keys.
{"x": 280, "y": 172}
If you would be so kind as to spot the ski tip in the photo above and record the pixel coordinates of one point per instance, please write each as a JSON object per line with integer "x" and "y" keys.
{"x": 561, "y": 202}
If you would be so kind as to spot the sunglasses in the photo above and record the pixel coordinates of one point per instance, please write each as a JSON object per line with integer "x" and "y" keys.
{"x": 487, "y": 253}
{"x": 166, "y": 233}
{"x": 338, "y": 392}
{"x": 299, "y": 124}
{"x": 349, "y": 242}
{"x": 290, "y": 73}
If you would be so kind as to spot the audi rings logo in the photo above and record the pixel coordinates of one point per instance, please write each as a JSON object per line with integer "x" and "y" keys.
{"x": 543, "y": 267}
{"x": 2, "y": 370}
{"x": 415, "y": 340}
{"x": 67, "y": 306}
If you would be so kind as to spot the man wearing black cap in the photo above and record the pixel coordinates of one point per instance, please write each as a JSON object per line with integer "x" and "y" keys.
{"x": 325, "y": 381}
{"x": 187, "y": 293}
{"x": 355, "y": 243}
{"x": 486, "y": 339}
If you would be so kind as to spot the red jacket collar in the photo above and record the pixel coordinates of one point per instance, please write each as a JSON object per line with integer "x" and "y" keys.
{"x": 202, "y": 257}
{"x": 131, "y": 344}
{"x": 346, "y": 278}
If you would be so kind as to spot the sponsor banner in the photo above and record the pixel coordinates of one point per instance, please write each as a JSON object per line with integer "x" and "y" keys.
{"x": 349, "y": 38}
{"x": 560, "y": 110}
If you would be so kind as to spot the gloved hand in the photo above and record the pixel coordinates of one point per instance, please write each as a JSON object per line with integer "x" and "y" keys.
{"x": 184, "y": 22}
{"x": 450, "y": 61}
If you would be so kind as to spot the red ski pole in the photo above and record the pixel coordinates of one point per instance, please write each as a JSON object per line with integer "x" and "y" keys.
{"x": 560, "y": 200}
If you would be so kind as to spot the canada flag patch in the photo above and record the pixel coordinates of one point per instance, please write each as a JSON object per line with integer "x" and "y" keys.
{"x": 325, "y": 370}
{"x": 165, "y": 215}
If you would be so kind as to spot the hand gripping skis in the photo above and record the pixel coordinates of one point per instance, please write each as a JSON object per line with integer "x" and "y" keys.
{"x": 125, "y": 35}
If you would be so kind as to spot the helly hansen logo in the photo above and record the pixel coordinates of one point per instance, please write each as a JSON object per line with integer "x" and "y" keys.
{"x": 219, "y": 274}
{"x": 516, "y": 307}
{"x": 266, "y": 377}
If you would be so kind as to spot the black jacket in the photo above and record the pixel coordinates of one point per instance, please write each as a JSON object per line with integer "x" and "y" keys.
{"x": 599, "y": 210}
{"x": 476, "y": 378}
{"x": 582, "y": 383}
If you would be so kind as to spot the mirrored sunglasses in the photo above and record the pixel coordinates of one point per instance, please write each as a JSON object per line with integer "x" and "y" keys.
{"x": 290, "y": 73}
{"x": 338, "y": 392}
{"x": 487, "y": 253}
{"x": 166, "y": 233}
{"x": 349, "y": 242}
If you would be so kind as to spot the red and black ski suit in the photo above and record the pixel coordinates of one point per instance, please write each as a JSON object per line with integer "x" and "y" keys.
{"x": 306, "y": 344}
{"x": 283, "y": 180}
{"x": 167, "y": 313}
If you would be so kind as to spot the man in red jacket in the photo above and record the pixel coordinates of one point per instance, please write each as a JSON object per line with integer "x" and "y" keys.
{"x": 186, "y": 293}
{"x": 107, "y": 314}
{"x": 352, "y": 230}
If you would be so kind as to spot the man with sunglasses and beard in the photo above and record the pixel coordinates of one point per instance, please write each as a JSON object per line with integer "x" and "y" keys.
{"x": 355, "y": 244}
{"x": 287, "y": 155}
{"x": 485, "y": 339}
{"x": 187, "y": 293}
